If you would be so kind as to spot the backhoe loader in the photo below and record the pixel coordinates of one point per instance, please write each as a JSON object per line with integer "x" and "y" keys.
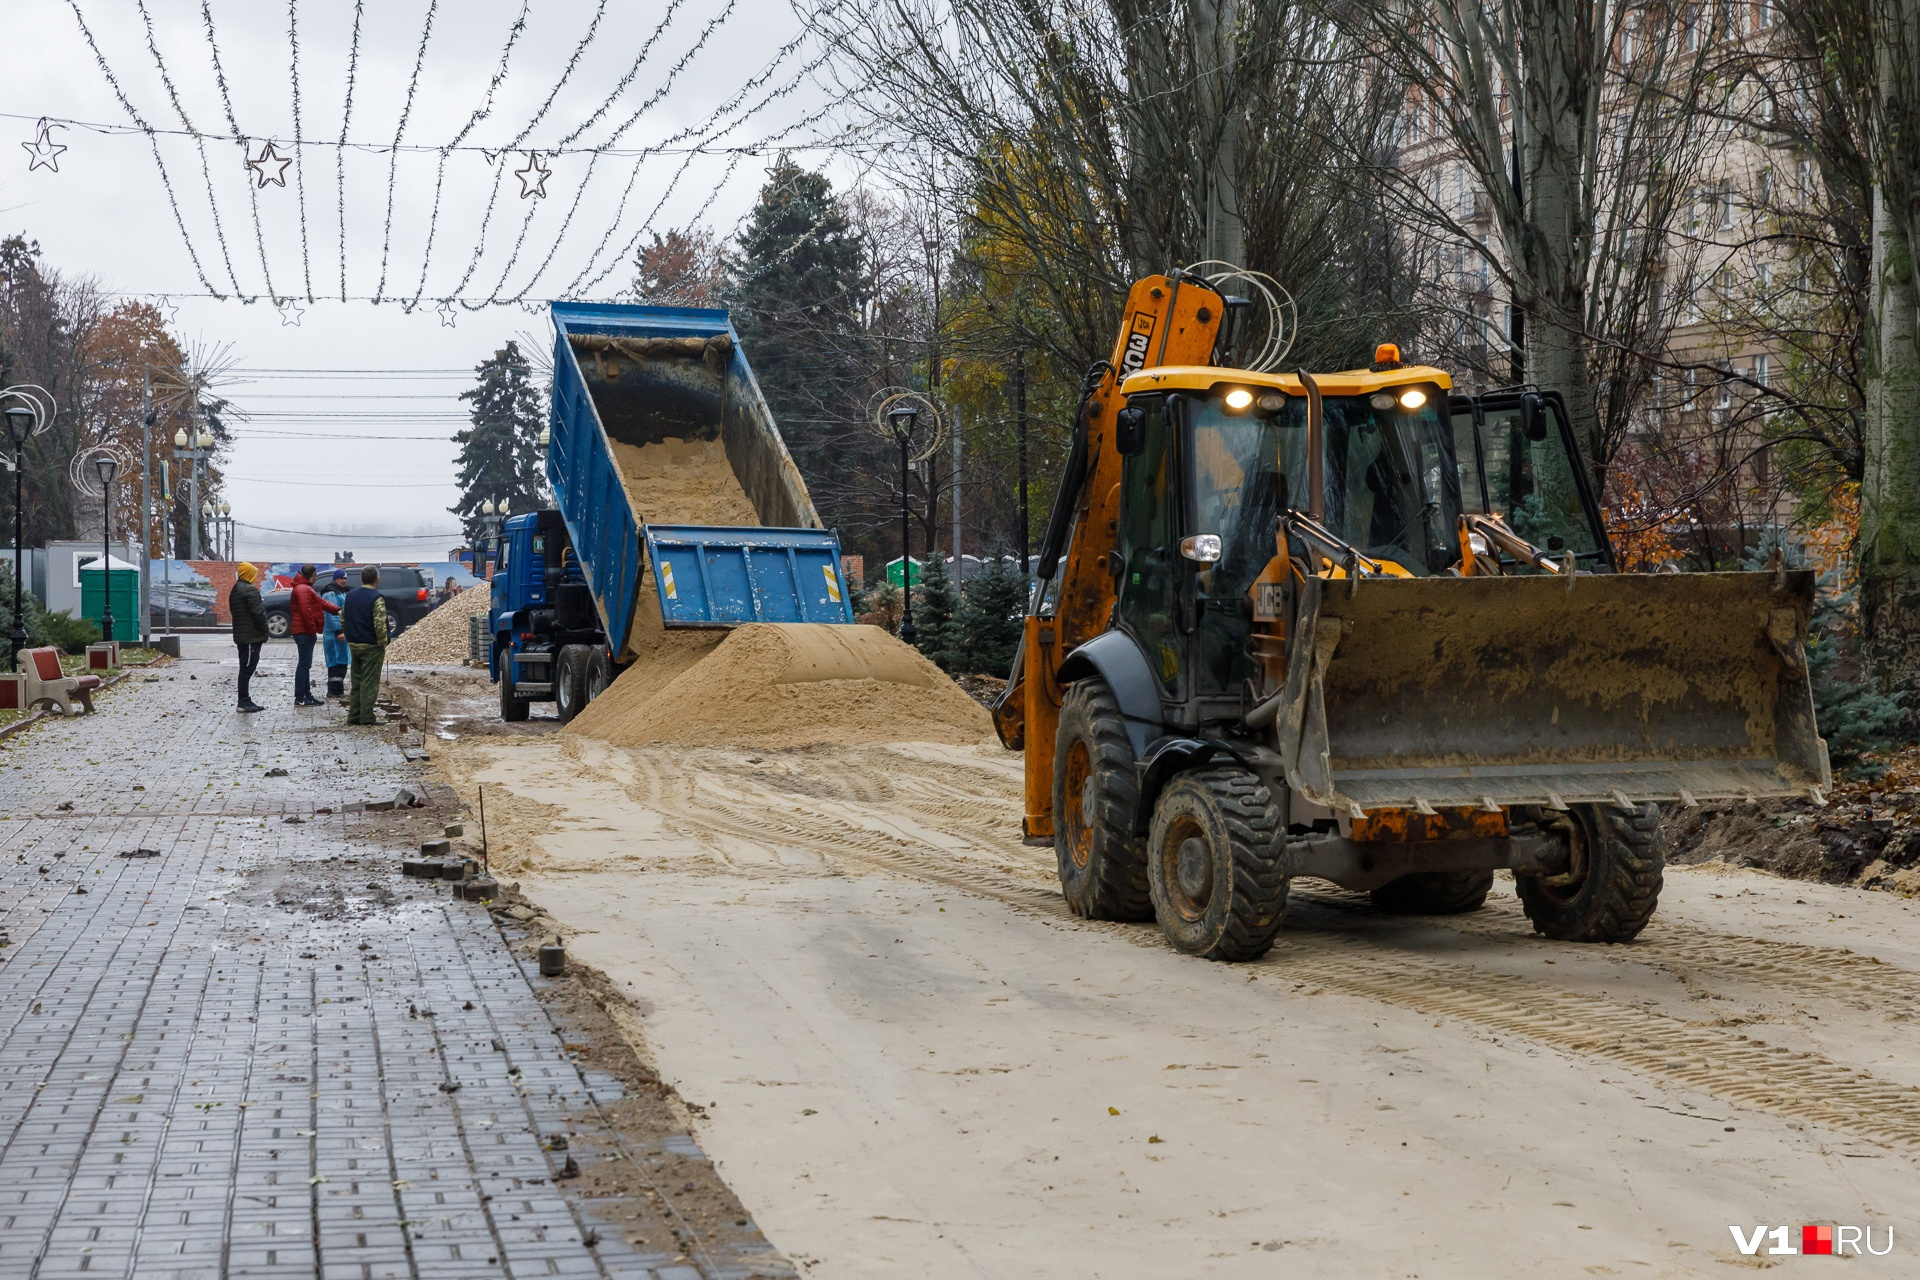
{"x": 1355, "y": 627}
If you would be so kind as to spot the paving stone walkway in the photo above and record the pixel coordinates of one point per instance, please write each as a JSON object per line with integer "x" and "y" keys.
{"x": 234, "y": 1041}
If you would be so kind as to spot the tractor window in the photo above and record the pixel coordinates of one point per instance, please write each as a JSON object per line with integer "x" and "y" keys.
{"x": 1393, "y": 486}
{"x": 1532, "y": 484}
{"x": 1466, "y": 453}
{"x": 1148, "y": 546}
{"x": 1239, "y": 474}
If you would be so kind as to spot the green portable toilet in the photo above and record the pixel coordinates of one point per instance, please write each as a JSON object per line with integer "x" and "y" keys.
{"x": 123, "y": 580}
{"x": 894, "y": 574}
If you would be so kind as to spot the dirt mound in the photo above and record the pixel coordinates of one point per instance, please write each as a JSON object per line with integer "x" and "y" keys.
{"x": 441, "y": 636}
{"x": 783, "y": 686}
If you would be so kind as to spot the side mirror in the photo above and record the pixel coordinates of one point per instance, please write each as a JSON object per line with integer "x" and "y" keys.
{"x": 1130, "y": 431}
{"x": 1533, "y": 418}
{"x": 1201, "y": 548}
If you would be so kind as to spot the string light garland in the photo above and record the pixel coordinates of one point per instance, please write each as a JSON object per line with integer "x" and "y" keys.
{"x": 267, "y": 159}
{"x": 43, "y": 151}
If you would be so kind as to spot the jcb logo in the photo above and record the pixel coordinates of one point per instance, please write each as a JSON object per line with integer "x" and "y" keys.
{"x": 1140, "y": 332}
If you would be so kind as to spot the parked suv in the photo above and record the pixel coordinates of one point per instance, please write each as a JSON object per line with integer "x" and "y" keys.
{"x": 409, "y": 594}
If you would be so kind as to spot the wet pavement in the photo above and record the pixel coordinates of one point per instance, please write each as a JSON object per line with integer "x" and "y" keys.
{"x": 235, "y": 1041}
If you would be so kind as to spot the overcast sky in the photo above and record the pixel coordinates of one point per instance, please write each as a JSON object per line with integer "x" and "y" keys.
{"x": 309, "y": 460}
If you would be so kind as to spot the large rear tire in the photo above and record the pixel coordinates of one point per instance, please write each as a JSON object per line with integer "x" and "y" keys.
{"x": 1612, "y": 881}
{"x": 570, "y": 681}
{"x": 600, "y": 674}
{"x": 1434, "y": 893}
{"x": 1103, "y": 865}
{"x": 1214, "y": 862}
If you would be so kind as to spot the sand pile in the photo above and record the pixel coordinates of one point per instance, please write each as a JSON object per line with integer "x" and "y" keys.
{"x": 441, "y": 636}
{"x": 783, "y": 686}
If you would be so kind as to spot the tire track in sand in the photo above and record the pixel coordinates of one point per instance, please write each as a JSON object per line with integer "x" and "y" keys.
{"x": 1670, "y": 1051}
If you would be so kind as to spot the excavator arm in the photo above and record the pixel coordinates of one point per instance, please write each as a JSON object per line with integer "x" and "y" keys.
{"x": 1168, "y": 320}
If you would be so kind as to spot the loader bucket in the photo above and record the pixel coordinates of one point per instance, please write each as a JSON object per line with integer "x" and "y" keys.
{"x": 1547, "y": 690}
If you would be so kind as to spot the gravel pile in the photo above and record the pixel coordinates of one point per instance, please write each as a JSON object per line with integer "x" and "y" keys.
{"x": 440, "y": 638}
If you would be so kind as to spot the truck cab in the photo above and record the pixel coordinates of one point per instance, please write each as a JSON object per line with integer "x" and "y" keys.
{"x": 548, "y": 641}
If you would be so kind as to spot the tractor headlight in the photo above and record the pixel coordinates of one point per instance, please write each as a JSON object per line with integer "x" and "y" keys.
{"x": 1383, "y": 401}
{"x": 1412, "y": 398}
{"x": 1238, "y": 400}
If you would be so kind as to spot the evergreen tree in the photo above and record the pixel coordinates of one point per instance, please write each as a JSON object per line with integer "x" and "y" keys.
{"x": 500, "y": 455}
{"x": 934, "y": 608}
{"x": 796, "y": 287}
{"x": 987, "y": 629}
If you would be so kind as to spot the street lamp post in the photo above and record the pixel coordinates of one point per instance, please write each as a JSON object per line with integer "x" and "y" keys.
{"x": 193, "y": 448}
{"x": 20, "y": 425}
{"x": 105, "y": 466}
{"x": 901, "y": 421}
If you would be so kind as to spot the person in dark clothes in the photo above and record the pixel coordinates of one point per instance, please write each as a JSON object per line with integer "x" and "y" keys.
{"x": 307, "y": 616}
{"x": 363, "y": 620}
{"x": 337, "y": 655}
{"x": 249, "y": 628}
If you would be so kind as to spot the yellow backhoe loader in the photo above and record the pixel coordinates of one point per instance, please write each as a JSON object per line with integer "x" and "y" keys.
{"x": 1356, "y": 627}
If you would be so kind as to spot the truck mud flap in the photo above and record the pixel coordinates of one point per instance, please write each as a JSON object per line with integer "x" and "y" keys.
{"x": 1497, "y": 691}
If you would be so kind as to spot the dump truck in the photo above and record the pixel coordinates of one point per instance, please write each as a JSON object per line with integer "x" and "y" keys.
{"x": 677, "y": 506}
{"x": 1357, "y": 627}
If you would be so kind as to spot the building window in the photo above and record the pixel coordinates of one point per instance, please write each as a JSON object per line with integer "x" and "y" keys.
{"x": 1726, "y": 209}
{"x": 1692, "y": 22}
{"x": 1763, "y": 371}
{"x": 1765, "y": 15}
{"x": 1803, "y": 180}
{"x": 1762, "y": 463}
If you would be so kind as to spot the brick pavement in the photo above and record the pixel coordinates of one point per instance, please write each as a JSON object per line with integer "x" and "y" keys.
{"x": 234, "y": 1041}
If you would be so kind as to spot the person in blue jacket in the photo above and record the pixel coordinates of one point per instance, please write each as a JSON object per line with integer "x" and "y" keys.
{"x": 338, "y": 657}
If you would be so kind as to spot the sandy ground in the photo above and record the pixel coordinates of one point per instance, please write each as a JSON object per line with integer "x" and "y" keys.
{"x": 918, "y": 1064}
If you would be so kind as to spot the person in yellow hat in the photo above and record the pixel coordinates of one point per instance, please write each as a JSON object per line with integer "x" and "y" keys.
{"x": 249, "y": 627}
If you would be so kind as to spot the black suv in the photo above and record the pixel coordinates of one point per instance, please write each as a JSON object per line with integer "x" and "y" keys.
{"x": 409, "y": 594}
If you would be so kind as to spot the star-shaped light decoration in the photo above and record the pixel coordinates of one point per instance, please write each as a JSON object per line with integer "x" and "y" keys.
{"x": 290, "y": 313}
{"x": 447, "y": 313}
{"x": 172, "y": 308}
{"x": 533, "y": 178}
{"x": 45, "y": 152}
{"x": 270, "y": 158}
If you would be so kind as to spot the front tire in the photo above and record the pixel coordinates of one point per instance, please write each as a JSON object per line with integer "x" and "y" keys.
{"x": 1612, "y": 881}
{"x": 278, "y": 624}
{"x": 1214, "y": 863}
{"x": 1103, "y": 865}
{"x": 512, "y": 709}
{"x": 1434, "y": 893}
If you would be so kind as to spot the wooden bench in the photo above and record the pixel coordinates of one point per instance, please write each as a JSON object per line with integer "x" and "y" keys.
{"x": 49, "y": 686}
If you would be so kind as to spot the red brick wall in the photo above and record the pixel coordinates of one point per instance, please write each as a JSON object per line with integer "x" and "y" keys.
{"x": 223, "y": 574}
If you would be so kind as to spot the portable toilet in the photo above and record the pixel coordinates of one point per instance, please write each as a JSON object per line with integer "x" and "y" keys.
{"x": 123, "y": 581}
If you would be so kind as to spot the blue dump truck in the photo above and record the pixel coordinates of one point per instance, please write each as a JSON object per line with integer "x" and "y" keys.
{"x": 678, "y": 506}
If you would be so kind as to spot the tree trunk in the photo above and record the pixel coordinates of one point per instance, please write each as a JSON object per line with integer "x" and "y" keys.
{"x": 1889, "y": 560}
{"x": 1216, "y": 38}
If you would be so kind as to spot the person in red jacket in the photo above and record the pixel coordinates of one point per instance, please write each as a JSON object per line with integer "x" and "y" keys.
{"x": 308, "y": 612}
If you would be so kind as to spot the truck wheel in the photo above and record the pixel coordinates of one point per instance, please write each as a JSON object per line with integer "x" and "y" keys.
{"x": 511, "y": 708}
{"x": 1214, "y": 861}
{"x": 1434, "y": 893}
{"x": 1612, "y": 881}
{"x": 599, "y": 674}
{"x": 570, "y": 681}
{"x": 1103, "y": 865}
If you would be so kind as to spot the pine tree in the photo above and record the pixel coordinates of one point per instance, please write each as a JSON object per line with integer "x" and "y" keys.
{"x": 987, "y": 630}
{"x": 934, "y": 607}
{"x": 500, "y": 455}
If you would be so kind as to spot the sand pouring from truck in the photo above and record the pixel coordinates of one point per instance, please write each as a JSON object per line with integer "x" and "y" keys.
{"x": 1354, "y": 626}
{"x": 679, "y": 510}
